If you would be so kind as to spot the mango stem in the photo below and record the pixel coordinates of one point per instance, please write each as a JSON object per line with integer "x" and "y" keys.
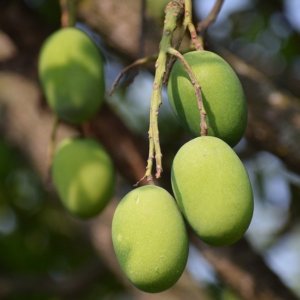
{"x": 188, "y": 24}
{"x": 173, "y": 12}
{"x": 197, "y": 89}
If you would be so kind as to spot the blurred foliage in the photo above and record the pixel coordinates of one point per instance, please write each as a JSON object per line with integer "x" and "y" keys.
{"x": 37, "y": 237}
{"x": 47, "y": 10}
{"x": 262, "y": 35}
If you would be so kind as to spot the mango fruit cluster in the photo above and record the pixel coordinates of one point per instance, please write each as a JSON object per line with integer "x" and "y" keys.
{"x": 210, "y": 184}
{"x": 212, "y": 190}
{"x": 72, "y": 77}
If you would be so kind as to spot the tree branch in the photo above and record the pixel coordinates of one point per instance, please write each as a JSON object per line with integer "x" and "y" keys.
{"x": 274, "y": 115}
{"x": 245, "y": 271}
{"x": 212, "y": 16}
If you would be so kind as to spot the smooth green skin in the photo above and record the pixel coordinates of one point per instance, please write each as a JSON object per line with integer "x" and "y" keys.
{"x": 150, "y": 238}
{"x": 213, "y": 190}
{"x": 71, "y": 74}
{"x": 83, "y": 175}
{"x": 222, "y": 93}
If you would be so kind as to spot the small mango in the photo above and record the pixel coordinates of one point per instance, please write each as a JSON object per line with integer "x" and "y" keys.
{"x": 83, "y": 175}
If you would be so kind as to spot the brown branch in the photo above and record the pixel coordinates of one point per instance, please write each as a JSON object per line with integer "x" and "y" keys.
{"x": 106, "y": 16}
{"x": 51, "y": 147}
{"x": 245, "y": 271}
{"x": 212, "y": 16}
{"x": 274, "y": 115}
{"x": 130, "y": 153}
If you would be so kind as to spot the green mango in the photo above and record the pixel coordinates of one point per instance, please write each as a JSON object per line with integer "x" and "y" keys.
{"x": 213, "y": 190}
{"x": 83, "y": 175}
{"x": 150, "y": 239}
{"x": 72, "y": 76}
{"x": 222, "y": 94}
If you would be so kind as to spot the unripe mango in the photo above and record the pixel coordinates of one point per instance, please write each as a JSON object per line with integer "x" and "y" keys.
{"x": 83, "y": 175}
{"x": 213, "y": 190}
{"x": 71, "y": 74}
{"x": 150, "y": 238}
{"x": 222, "y": 94}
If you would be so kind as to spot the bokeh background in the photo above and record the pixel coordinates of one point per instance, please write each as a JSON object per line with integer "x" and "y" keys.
{"x": 47, "y": 254}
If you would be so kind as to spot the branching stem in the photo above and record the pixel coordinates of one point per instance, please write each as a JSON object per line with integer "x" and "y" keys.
{"x": 163, "y": 66}
{"x": 197, "y": 88}
{"x": 188, "y": 24}
{"x": 172, "y": 59}
{"x": 173, "y": 12}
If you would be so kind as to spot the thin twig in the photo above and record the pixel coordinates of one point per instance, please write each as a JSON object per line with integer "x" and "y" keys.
{"x": 148, "y": 173}
{"x": 86, "y": 129}
{"x": 203, "y": 25}
{"x": 173, "y": 12}
{"x": 51, "y": 147}
{"x": 172, "y": 59}
{"x": 68, "y": 12}
{"x": 197, "y": 88}
{"x": 137, "y": 63}
{"x": 188, "y": 24}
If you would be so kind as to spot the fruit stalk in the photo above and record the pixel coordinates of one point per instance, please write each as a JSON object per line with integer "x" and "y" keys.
{"x": 68, "y": 13}
{"x": 197, "y": 88}
{"x": 188, "y": 24}
{"x": 173, "y": 11}
{"x": 201, "y": 28}
{"x": 67, "y": 19}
